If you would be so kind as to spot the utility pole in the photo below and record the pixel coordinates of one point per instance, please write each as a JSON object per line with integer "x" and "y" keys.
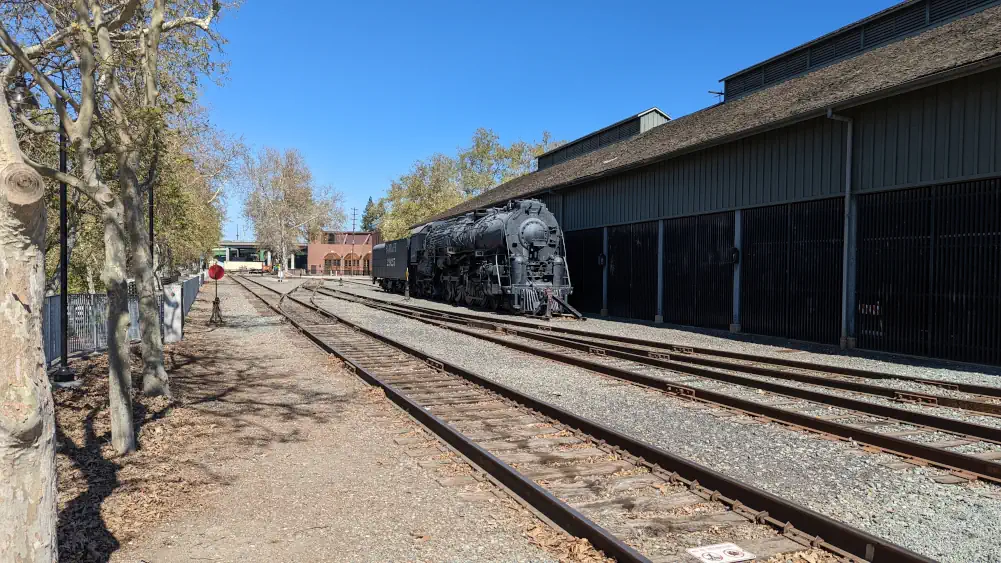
{"x": 354, "y": 212}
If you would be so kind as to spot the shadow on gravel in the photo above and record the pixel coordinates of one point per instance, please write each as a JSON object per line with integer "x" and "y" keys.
{"x": 230, "y": 401}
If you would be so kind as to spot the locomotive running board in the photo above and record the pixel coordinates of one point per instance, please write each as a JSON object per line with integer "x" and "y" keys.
{"x": 577, "y": 314}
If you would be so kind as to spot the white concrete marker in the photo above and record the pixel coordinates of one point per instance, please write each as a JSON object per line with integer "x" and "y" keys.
{"x": 720, "y": 553}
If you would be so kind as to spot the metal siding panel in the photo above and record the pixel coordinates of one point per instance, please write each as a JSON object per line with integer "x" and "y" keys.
{"x": 971, "y": 121}
{"x": 929, "y": 109}
{"x": 996, "y": 129}
{"x": 890, "y": 143}
{"x": 819, "y": 156}
{"x": 915, "y": 143}
{"x": 943, "y": 109}
{"x": 955, "y": 136}
{"x": 824, "y": 186}
{"x": 985, "y": 141}
{"x": 877, "y": 146}
{"x": 838, "y": 136}
{"x": 802, "y": 176}
{"x": 901, "y": 132}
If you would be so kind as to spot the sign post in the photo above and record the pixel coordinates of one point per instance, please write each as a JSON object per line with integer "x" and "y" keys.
{"x": 216, "y": 272}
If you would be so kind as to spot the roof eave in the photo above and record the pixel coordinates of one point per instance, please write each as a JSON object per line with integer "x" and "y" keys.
{"x": 924, "y": 81}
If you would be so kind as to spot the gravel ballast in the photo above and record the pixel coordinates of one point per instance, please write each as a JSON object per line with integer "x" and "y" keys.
{"x": 958, "y": 523}
{"x": 912, "y": 367}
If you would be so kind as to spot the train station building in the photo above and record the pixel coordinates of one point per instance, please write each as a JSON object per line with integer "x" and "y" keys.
{"x": 846, "y": 192}
{"x": 341, "y": 253}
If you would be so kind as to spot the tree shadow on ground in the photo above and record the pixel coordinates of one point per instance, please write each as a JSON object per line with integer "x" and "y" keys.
{"x": 229, "y": 404}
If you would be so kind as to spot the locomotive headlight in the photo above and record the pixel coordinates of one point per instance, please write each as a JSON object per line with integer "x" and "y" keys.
{"x": 534, "y": 232}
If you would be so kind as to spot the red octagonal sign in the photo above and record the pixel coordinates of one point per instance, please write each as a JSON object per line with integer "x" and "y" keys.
{"x": 216, "y": 272}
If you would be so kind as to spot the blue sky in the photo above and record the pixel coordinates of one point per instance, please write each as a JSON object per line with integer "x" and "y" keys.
{"x": 364, "y": 89}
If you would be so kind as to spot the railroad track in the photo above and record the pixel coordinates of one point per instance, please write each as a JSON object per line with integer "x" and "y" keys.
{"x": 631, "y": 500}
{"x": 965, "y": 451}
{"x": 980, "y": 398}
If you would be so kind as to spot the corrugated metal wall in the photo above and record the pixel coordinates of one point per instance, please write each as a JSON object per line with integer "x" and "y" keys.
{"x": 632, "y": 271}
{"x": 791, "y": 270}
{"x": 554, "y": 203}
{"x": 583, "y": 249}
{"x": 929, "y": 271}
{"x": 947, "y": 132}
{"x": 804, "y": 161}
{"x": 698, "y": 279}
{"x": 941, "y": 133}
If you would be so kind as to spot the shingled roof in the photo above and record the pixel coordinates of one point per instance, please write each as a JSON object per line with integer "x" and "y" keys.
{"x": 961, "y": 43}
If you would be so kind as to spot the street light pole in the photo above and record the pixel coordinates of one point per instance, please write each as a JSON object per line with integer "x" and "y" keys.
{"x": 152, "y": 258}
{"x": 64, "y": 373}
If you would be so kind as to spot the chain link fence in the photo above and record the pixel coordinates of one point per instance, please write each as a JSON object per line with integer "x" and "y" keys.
{"x": 87, "y": 315}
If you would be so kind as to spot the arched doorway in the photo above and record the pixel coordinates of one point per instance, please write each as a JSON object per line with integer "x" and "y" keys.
{"x": 352, "y": 264}
{"x": 331, "y": 263}
{"x": 366, "y": 264}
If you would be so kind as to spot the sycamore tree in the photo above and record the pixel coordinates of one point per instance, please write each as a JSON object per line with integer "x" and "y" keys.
{"x": 102, "y": 67}
{"x": 27, "y": 415}
{"x": 284, "y": 203}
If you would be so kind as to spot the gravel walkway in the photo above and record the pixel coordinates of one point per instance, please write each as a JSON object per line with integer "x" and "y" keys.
{"x": 947, "y": 522}
{"x": 308, "y": 466}
{"x": 915, "y": 367}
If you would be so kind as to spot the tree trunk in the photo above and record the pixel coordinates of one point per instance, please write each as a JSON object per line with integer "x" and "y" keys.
{"x": 119, "y": 372}
{"x": 155, "y": 381}
{"x": 27, "y": 415}
{"x": 90, "y": 279}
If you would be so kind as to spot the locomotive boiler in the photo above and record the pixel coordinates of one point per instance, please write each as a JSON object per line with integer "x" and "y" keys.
{"x": 509, "y": 257}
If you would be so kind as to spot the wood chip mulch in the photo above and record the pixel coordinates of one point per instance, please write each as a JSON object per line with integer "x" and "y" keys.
{"x": 105, "y": 499}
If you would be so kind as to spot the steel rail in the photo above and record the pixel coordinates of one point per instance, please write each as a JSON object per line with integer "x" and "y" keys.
{"x": 840, "y": 370}
{"x": 563, "y": 515}
{"x": 963, "y": 464}
{"x": 794, "y": 520}
{"x": 597, "y": 340}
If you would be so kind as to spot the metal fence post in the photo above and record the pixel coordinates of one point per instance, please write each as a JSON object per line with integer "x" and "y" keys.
{"x": 89, "y": 314}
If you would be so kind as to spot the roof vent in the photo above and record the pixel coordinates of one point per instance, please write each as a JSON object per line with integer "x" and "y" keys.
{"x": 893, "y": 24}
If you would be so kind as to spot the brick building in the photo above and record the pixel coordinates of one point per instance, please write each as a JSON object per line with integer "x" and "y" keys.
{"x": 341, "y": 253}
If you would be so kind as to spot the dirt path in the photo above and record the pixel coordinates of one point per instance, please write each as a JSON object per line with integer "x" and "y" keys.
{"x": 273, "y": 453}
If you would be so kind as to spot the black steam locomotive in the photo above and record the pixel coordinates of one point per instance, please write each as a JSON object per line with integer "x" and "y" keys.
{"x": 509, "y": 257}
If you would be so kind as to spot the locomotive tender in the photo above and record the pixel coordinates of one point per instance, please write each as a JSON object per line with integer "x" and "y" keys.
{"x": 509, "y": 257}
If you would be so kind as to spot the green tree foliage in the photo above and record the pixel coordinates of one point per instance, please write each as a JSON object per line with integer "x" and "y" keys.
{"x": 442, "y": 182}
{"x": 431, "y": 186}
{"x": 372, "y": 215}
{"x": 488, "y": 163}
